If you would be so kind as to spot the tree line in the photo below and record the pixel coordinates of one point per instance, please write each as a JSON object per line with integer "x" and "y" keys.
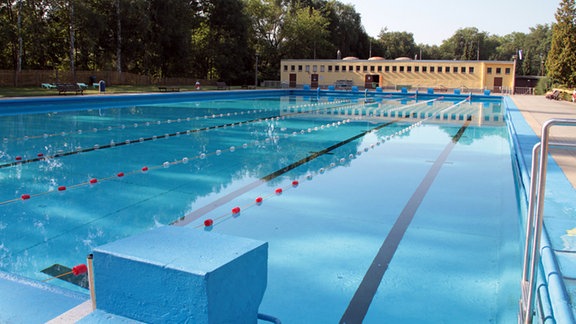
{"x": 225, "y": 39}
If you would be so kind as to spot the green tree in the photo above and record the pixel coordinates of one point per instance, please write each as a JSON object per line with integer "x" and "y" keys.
{"x": 346, "y": 31}
{"x": 397, "y": 44}
{"x": 306, "y": 35}
{"x": 465, "y": 44}
{"x": 561, "y": 61}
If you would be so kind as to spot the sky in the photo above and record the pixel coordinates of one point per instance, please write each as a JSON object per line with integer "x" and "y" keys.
{"x": 432, "y": 22}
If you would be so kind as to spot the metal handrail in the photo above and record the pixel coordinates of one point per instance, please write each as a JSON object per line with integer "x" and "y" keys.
{"x": 534, "y": 219}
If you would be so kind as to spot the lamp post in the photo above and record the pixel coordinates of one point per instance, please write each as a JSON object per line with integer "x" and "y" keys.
{"x": 256, "y": 73}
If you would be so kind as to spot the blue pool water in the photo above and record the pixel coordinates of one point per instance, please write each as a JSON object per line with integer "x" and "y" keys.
{"x": 425, "y": 203}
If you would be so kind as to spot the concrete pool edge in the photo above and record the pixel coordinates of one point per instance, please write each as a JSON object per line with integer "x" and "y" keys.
{"x": 556, "y": 295}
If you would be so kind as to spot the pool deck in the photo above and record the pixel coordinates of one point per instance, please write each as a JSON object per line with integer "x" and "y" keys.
{"x": 536, "y": 110}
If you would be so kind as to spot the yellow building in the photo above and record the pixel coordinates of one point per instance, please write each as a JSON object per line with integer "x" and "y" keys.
{"x": 440, "y": 75}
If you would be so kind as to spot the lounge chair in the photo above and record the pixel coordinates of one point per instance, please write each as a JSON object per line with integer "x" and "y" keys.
{"x": 222, "y": 86}
{"x": 83, "y": 86}
{"x": 48, "y": 86}
{"x": 555, "y": 95}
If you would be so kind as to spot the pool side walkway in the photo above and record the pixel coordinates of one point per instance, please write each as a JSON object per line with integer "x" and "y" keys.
{"x": 558, "y": 245}
{"x": 536, "y": 110}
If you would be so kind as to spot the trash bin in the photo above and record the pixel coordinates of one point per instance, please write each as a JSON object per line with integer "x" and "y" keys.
{"x": 102, "y": 86}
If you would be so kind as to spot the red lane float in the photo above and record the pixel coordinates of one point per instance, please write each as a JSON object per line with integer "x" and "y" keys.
{"x": 209, "y": 222}
{"x": 61, "y": 188}
{"x": 25, "y": 197}
{"x": 144, "y": 169}
{"x": 236, "y": 210}
{"x": 278, "y": 191}
{"x": 40, "y": 155}
{"x": 93, "y": 180}
{"x": 295, "y": 183}
{"x": 259, "y": 200}
{"x": 18, "y": 158}
{"x": 79, "y": 269}
{"x": 120, "y": 174}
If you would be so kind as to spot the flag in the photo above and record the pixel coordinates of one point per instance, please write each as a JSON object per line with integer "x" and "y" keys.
{"x": 520, "y": 54}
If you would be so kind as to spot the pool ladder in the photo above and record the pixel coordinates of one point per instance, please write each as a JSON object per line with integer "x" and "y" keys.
{"x": 534, "y": 223}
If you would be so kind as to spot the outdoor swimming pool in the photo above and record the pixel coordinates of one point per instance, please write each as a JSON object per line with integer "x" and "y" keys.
{"x": 394, "y": 209}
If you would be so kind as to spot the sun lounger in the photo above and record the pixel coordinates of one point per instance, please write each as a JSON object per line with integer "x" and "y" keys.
{"x": 555, "y": 95}
{"x": 222, "y": 86}
{"x": 84, "y": 86}
{"x": 48, "y": 86}
{"x": 168, "y": 89}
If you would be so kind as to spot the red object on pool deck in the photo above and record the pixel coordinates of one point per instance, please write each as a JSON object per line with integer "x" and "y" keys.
{"x": 278, "y": 191}
{"x": 120, "y": 174}
{"x": 236, "y": 210}
{"x": 61, "y": 188}
{"x": 145, "y": 168}
{"x": 209, "y": 222}
{"x": 295, "y": 183}
{"x": 93, "y": 180}
{"x": 79, "y": 269}
{"x": 259, "y": 200}
{"x": 25, "y": 196}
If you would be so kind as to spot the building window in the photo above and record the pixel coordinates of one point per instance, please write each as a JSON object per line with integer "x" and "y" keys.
{"x": 285, "y": 68}
{"x": 416, "y": 69}
{"x": 431, "y": 69}
{"x": 337, "y": 68}
{"x": 329, "y": 68}
{"x": 365, "y": 68}
{"x": 463, "y": 69}
{"x": 394, "y": 68}
{"x": 386, "y": 68}
{"x": 321, "y": 68}
{"x": 498, "y": 70}
{"x": 408, "y": 69}
{"x": 299, "y": 68}
{"x": 307, "y": 68}
{"x": 350, "y": 68}
{"x": 489, "y": 70}
{"x": 470, "y": 69}
{"x": 292, "y": 68}
{"x": 343, "y": 68}
{"x": 371, "y": 68}
{"x": 507, "y": 71}
{"x": 424, "y": 69}
{"x": 357, "y": 68}
{"x": 314, "y": 68}
{"x": 401, "y": 68}
{"x": 439, "y": 69}
{"x": 379, "y": 68}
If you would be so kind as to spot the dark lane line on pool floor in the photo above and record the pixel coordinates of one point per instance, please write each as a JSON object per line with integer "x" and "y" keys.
{"x": 358, "y": 306}
{"x": 187, "y": 219}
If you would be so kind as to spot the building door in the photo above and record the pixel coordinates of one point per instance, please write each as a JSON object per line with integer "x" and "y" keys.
{"x": 368, "y": 81}
{"x": 314, "y": 81}
{"x": 292, "y": 80}
{"x": 497, "y": 85}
